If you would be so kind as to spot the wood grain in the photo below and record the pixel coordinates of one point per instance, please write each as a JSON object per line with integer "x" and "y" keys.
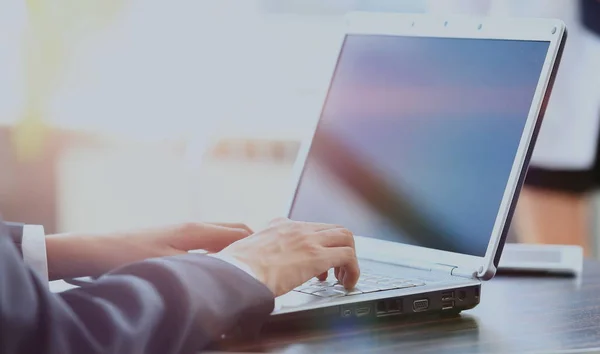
{"x": 517, "y": 314}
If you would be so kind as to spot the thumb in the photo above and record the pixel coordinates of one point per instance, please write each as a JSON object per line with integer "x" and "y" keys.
{"x": 210, "y": 237}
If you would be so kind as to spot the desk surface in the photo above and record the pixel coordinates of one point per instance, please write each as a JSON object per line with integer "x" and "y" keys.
{"x": 517, "y": 314}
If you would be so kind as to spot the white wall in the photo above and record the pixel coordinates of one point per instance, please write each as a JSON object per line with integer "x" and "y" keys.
{"x": 107, "y": 189}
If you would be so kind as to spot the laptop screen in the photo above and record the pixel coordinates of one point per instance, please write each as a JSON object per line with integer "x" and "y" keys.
{"x": 418, "y": 136}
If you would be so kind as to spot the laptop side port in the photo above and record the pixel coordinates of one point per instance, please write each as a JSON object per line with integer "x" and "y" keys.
{"x": 447, "y": 305}
{"x": 381, "y": 307}
{"x": 346, "y": 311}
{"x": 394, "y": 306}
{"x": 390, "y": 307}
{"x": 448, "y": 296}
{"x": 420, "y": 305}
{"x": 363, "y": 311}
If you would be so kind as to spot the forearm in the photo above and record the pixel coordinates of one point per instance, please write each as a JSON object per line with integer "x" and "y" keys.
{"x": 74, "y": 255}
{"x": 77, "y": 255}
{"x": 67, "y": 257}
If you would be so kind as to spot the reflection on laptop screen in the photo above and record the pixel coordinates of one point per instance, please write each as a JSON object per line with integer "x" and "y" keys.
{"x": 418, "y": 136}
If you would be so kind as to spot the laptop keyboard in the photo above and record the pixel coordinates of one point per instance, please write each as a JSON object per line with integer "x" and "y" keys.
{"x": 368, "y": 283}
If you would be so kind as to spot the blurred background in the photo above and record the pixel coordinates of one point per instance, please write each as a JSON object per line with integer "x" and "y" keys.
{"x": 131, "y": 113}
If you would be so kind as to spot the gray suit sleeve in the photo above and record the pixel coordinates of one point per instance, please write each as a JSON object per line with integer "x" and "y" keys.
{"x": 168, "y": 305}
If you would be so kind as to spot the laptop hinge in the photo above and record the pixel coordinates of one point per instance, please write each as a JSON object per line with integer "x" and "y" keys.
{"x": 455, "y": 271}
{"x": 443, "y": 268}
{"x": 464, "y": 273}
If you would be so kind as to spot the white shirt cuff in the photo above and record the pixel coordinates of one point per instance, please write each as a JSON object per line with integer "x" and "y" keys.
{"x": 234, "y": 262}
{"x": 33, "y": 246}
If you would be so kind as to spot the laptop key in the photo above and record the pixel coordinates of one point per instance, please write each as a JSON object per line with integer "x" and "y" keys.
{"x": 301, "y": 288}
{"x": 347, "y": 292}
{"x": 385, "y": 282}
{"x": 311, "y": 288}
{"x": 364, "y": 283}
{"x": 399, "y": 280}
{"x": 367, "y": 289}
{"x": 353, "y": 292}
{"x": 329, "y": 292}
{"x": 385, "y": 286}
{"x": 322, "y": 283}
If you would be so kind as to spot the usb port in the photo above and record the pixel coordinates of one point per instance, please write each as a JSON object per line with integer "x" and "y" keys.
{"x": 363, "y": 311}
{"x": 447, "y": 305}
{"x": 447, "y": 296}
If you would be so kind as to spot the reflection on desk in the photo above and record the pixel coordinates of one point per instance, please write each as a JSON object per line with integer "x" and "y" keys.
{"x": 517, "y": 314}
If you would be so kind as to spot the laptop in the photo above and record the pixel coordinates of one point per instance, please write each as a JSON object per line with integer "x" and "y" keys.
{"x": 421, "y": 149}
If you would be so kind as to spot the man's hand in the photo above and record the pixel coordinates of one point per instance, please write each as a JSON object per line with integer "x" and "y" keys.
{"x": 289, "y": 253}
{"x": 73, "y": 255}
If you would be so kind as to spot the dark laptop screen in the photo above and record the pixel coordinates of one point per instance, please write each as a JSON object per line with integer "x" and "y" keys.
{"x": 418, "y": 136}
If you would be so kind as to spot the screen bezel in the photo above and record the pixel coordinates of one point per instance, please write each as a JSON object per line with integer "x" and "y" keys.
{"x": 549, "y": 30}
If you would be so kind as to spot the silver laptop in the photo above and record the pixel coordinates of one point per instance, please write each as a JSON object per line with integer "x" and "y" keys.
{"x": 421, "y": 149}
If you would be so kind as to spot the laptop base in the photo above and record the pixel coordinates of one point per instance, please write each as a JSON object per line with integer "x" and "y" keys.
{"x": 449, "y": 301}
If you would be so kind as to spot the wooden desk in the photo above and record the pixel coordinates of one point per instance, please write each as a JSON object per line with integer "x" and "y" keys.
{"x": 517, "y": 314}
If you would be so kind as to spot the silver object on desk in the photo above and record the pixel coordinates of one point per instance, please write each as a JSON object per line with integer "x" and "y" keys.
{"x": 533, "y": 258}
